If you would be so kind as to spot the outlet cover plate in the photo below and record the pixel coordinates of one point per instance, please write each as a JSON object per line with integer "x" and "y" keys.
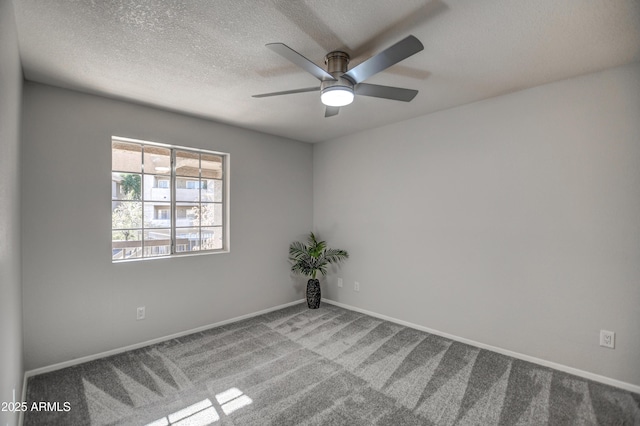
{"x": 608, "y": 339}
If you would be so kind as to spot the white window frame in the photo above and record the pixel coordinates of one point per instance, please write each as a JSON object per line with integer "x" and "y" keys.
{"x": 173, "y": 208}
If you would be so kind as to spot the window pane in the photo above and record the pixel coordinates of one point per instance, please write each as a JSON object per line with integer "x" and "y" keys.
{"x": 211, "y": 214}
{"x": 157, "y": 160}
{"x": 126, "y": 214}
{"x": 157, "y": 242}
{"x": 211, "y": 166}
{"x": 126, "y": 157}
{"x": 157, "y": 215}
{"x": 212, "y": 238}
{"x": 157, "y": 188}
{"x": 125, "y": 186}
{"x": 187, "y": 215}
{"x": 125, "y": 236}
{"x": 126, "y": 244}
{"x": 187, "y": 239}
{"x": 187, "y": 189}
{"x": 187, "y": 164}
{"x": 212, "y": 190}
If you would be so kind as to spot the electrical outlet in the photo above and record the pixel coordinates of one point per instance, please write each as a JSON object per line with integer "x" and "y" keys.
{"x": 608, "y": 339}
{"x": 140, "y": 313}
{"x": 356, "y": 286}
{"x": 339, "y": 282}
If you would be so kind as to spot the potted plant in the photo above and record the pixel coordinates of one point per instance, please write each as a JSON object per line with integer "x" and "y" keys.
{"x": 311, "y": 258}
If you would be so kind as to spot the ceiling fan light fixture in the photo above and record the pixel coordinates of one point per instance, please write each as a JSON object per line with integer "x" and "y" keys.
{"x": 337, "y": 96}
{"x": 338, "y": 84}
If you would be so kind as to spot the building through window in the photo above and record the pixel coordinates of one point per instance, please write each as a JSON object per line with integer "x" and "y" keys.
{"x": 166, "y": 200}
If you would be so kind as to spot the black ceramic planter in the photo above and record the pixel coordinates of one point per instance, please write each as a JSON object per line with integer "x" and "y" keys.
{"x": 313, "y": 294}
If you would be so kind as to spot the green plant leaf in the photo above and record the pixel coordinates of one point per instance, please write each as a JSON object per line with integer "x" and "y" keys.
{"x": 313, "y": 257}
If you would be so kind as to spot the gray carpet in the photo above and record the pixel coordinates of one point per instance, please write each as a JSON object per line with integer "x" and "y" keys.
{"x": 329, "y": 366}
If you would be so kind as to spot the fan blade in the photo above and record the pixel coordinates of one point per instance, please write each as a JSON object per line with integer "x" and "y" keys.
{"x": 287, "y": 92}
{"x": 293, "y": 56}
{"x": 386, "y": 92}
{"x": 331, "y": 111}
{"x": 383, "y": 60}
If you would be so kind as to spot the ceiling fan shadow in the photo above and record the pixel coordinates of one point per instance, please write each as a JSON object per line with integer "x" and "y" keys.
{"x": 410, "y": 72}
{"x": 288, "y": 69}
{"x": 301, "y": 15}
{"x": 403, "y": 25}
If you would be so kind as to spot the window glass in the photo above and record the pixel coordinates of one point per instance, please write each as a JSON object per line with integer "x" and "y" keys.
{"x": 210, "y": 214}
{"x": 157, "y": 242}
{"x": 126, "y": 157}
{"x": 166, "y": 200}
{"x": 126, "y": 244}
{"x": 212, "y": 190}
{"x": 188, "y": 239}
{"x": 187, "y": 164}
{"x": 154, "y": 190}
{"x": 187, "y": 189}
{"x": 126, "y": 215}
{"x": 157, "y": 160}
{"x": 212, "y": 238}
{"x": 211, "y": 166}
{"x": 126, "y": 186}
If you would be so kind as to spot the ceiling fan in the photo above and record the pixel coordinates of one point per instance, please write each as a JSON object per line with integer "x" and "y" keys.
{"x": 338, "y": 86}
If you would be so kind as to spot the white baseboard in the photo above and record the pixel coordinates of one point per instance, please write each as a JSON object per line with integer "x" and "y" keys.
{"x": 576, "y": 372}
{"x": 116, "y": 351}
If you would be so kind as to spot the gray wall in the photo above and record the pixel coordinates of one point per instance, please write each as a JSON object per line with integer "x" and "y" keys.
{"x": 513, "y": 221}
{"x": 76, "y": 302}
{"x": 11, "y": 370}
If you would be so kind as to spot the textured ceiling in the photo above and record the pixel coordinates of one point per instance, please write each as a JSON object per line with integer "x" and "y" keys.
{"x": 207, "y": 58}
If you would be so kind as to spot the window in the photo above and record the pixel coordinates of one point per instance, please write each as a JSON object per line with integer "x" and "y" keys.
{"x": 167, "y": 200}
{"x": 193, "y": 184}
{"x": 162, "y": 213}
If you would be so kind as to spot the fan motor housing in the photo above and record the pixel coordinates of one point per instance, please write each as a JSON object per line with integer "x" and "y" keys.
{"x": 336, "y": 62}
